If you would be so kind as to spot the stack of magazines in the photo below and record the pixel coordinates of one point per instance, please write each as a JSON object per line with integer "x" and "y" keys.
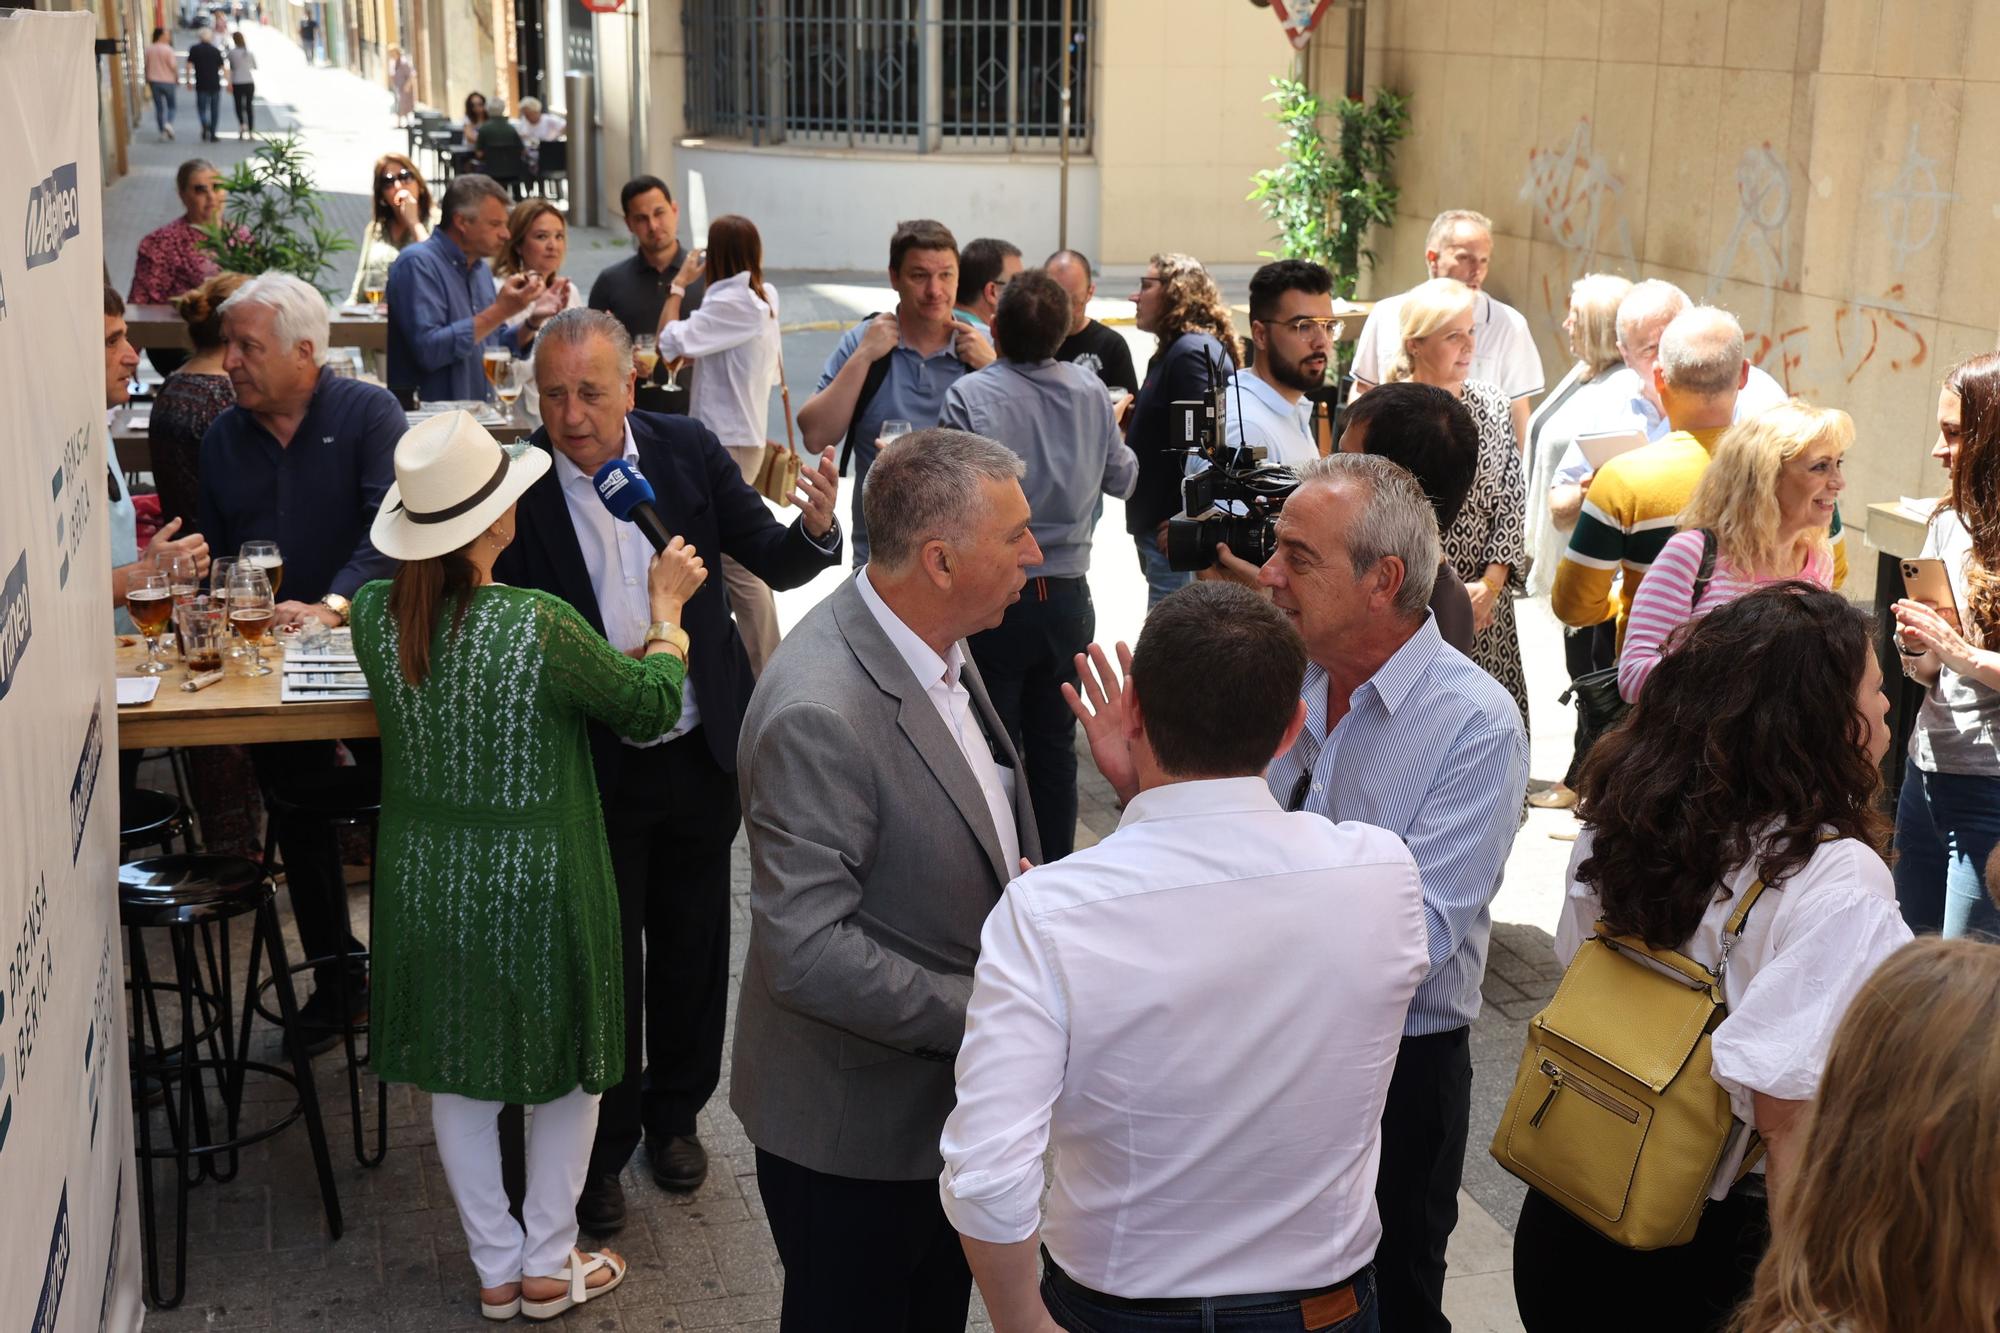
{"x": 322, "y": 667}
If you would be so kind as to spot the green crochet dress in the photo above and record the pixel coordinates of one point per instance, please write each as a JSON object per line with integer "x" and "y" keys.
{"x": 496, "y": 950}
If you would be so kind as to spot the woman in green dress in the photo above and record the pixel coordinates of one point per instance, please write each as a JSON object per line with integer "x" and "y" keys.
{"x": 496, "y": 949}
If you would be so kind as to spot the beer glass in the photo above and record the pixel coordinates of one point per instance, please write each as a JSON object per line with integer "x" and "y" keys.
{"x": 150, "y": 601}
{"x": 198, "y": 622}
{"x": 252, "y": 608}
{"x": 265, "y": 556}
{"x": 645, "y": 359}
{"x": 492, "y": 359}
{"x": 513, "y": 378}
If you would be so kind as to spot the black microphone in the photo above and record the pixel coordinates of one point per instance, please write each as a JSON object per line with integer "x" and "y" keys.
{"x": 629, "y": 496}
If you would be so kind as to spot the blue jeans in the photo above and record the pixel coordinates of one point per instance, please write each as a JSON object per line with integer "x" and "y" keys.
{"x": 164, "y": 106}
{"x": 1080, "y": 1315}
{"x": 1946, "y": 827}
{"x": 208, "y": 107}
{"x": 1161, "y": 579}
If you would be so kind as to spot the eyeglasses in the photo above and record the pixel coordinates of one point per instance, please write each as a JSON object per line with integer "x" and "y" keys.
{"x": 394, "y": 177}
{"x": 1305, "y": 324}
{"x": 1150, "y": 281}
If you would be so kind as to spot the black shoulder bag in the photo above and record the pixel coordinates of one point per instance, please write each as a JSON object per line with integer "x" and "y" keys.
{"x": 878, "y": 372}
{"x": 1596, "y": 692}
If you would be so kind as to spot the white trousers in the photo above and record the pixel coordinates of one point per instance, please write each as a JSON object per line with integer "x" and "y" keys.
{"x": 559, "y": 1140}
{"x": 756, "y": 610}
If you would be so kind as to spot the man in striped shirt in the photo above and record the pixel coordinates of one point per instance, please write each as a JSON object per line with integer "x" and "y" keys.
{"x": 1635, "y": 500}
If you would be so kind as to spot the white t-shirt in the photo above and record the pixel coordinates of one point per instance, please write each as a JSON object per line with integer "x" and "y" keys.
{"x": 1503, "y": 351}
{"x": 242, "y": 64}
{"x": 1807, "y": 947}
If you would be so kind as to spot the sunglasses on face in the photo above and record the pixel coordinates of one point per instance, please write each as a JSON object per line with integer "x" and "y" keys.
{"x": 394, "y": 177}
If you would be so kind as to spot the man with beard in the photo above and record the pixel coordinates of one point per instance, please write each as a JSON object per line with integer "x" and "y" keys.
{"x": 1292, "y": 329}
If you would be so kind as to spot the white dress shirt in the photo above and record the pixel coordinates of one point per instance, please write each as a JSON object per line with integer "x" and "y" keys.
{"x": 1806, "y": 949}
{"x": 1503, "y": 350}
{"x": 735, "y": 337}
{"x": 1201, "y": 1014}
{"x": 550, "y": 126}
{"x": 617, "y": 555}
{"x": 940, "y": 678}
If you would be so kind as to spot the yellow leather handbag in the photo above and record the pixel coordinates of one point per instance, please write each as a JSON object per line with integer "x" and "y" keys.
{"x": 1614, "y": 1114}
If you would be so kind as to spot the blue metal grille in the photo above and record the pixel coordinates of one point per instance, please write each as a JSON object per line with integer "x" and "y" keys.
{"x": 921, "y": 75}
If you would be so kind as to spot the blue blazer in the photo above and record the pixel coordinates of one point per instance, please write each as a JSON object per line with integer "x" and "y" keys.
{"x": 701, "y": 496}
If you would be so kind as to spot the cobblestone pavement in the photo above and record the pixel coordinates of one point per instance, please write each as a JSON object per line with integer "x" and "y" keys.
{"x": 260, "y": 1255}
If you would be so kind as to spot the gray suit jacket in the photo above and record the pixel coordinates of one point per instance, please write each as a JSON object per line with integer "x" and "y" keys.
{"x": 873, "y": 865}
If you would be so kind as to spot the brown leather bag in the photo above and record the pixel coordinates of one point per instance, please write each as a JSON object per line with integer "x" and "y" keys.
{"x": 778, "y": 476}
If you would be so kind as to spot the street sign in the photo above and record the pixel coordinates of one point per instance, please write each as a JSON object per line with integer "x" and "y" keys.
{"x": 1299, "y": 18}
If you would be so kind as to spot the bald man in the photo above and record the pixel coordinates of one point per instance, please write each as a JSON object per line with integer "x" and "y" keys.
{"x": 1098, "y": 349}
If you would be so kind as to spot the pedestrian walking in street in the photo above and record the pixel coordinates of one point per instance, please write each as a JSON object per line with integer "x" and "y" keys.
{"x": 243, "y": 84}
{"x": 163, "y": 77}
{"x": 205, "y": 65}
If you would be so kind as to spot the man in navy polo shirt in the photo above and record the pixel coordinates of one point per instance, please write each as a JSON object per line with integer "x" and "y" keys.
{"x": 302, "y": 459}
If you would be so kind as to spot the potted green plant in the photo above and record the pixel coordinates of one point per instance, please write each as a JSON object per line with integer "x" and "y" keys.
{"x": 273, "y": 219}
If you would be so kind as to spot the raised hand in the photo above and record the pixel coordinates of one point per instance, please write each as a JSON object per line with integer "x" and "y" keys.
{"x": 1100, "y": 707}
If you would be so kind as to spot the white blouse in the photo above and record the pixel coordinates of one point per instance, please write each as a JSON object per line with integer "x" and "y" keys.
{"x": 1807, "y": 947}
{"x": 735, "y": 337}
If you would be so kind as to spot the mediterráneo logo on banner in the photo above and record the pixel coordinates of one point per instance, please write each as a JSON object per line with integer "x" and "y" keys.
{"x": 17, "y": 622}
{"x": 84, "y": 784}
{"x": 56, "y": 1276}
{"x": 55, "y": 214}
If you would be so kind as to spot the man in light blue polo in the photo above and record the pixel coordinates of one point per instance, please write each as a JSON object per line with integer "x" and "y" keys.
{"x": 444, "y": 309}
{"x": 895, "y": 366}
{"x": 1057, "y": 418}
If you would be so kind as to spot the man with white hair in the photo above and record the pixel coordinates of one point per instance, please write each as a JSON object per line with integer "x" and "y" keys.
{"x": 303, "y": 460}
{"x": 1460, "y": 245}
{"x": 1643, "y": 317}
{"x": 536, "y": 127}
{"x": 1633, "y": 502}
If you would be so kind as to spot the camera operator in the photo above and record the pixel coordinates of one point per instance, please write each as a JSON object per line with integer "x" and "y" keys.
{"x": 1056, "y": 417}
{"x": 1404, "y": 732}
{"x": 1292, "y": 329}
{"x": 1179, "y": 304}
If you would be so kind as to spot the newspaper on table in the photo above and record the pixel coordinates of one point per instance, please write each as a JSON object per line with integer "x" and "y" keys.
{"x": 321, "y": 666}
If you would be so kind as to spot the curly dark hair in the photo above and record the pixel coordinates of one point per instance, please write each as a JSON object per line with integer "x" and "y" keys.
{"x": 1974, "y": 494}
{"x": 1736, "y": 752}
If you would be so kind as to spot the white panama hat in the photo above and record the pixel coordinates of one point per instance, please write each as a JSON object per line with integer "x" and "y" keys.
{"x": 452, "y": 480}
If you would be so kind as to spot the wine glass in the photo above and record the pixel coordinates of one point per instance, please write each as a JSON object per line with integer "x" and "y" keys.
{"x": 252, "y": 608}
{"x": 674, "y": 365}
{"x": 645, "y": 360}
{"x": 891, "y": 429}
{"x": 150, "y": 600}
{"x": 265, "y": 556}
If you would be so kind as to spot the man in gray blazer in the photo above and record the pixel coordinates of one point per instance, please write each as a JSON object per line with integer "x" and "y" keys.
{"x": 886, "y": 810}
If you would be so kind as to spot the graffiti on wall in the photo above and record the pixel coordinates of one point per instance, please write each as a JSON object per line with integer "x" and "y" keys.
{"x": 1912, "y": 208}
{"x": 1576, "y": 195}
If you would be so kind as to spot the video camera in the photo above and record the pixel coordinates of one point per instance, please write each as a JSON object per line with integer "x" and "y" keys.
{"x": 1235, "y": 499}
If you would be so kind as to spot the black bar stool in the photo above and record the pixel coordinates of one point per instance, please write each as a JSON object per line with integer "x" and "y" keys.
{"x": 185, "y": 895}
{"x": 148, "y": 817}
{"x": 350, "y": 796}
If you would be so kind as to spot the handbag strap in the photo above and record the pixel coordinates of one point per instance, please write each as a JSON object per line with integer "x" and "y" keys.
{"x": 1704, "y": 575}
{"x": 785, "y": 393}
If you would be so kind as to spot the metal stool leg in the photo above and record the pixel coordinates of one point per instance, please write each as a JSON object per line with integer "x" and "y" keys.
{"x": 274, "y": 944}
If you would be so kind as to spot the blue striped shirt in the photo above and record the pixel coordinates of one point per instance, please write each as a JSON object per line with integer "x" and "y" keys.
{"x": 1433, "y": 750}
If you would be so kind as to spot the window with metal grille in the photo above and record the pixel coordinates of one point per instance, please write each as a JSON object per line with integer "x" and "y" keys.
{"x": 922, "y": 75}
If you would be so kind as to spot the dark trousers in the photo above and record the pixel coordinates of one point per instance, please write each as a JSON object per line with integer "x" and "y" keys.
{"x": 243, "y": 95}
{"x": 1567, "y": 1276}
{"x": 1585, "y": 651}
{"x": 863, "y": 1256}
{"x": 207, "y": 105}
{"x": 670, "y": 820}
{"x": 1077, "y": 1312}
{"x": 310, "y": 848}
{"x": 1025, "y": 661}
{"x": 1423, "y": 1155}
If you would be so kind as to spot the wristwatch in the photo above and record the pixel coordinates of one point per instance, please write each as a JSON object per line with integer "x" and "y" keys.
{"x": 337, "y": 604}
{"x": 673, "y": 636}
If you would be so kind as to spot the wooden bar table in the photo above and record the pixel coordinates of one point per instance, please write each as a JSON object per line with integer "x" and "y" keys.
{"x": 236, "y": 710}
{"x": 160, "y": 326}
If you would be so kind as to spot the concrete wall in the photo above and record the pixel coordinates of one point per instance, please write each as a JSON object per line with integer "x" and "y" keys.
{"x": 1815, "y": 166}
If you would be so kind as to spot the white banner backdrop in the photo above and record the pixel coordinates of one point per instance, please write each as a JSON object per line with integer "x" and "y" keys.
{"x": 69, "y": 1230}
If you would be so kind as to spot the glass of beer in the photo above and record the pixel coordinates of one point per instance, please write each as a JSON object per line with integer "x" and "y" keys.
{"x": 150, "y": 600}
{"x": 265, "y": 556}
{"x": 645, "y": 359}
{"x": 674, "y": 367}
{"x": 198, "y": 622}
{"x": 252, "y": 608}
{"x": 513, "y": 379}
{"x": 374, "y": 296}
{"x": 493, "y": 358}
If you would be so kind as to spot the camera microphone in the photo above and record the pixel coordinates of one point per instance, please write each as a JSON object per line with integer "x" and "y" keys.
{"x": 629, "y": 496}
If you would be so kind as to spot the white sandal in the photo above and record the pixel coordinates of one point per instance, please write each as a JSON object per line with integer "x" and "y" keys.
{"x": 504, "y": 1311}
{"x": 580, "y": 1290}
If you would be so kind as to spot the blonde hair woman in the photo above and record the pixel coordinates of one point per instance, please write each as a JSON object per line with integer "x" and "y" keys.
{"x": 1485, "y": 545}
{"x": 1179, "y": 304}
{"x": 1892, "y": 1224}
{"x": 1766, "y": 504}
